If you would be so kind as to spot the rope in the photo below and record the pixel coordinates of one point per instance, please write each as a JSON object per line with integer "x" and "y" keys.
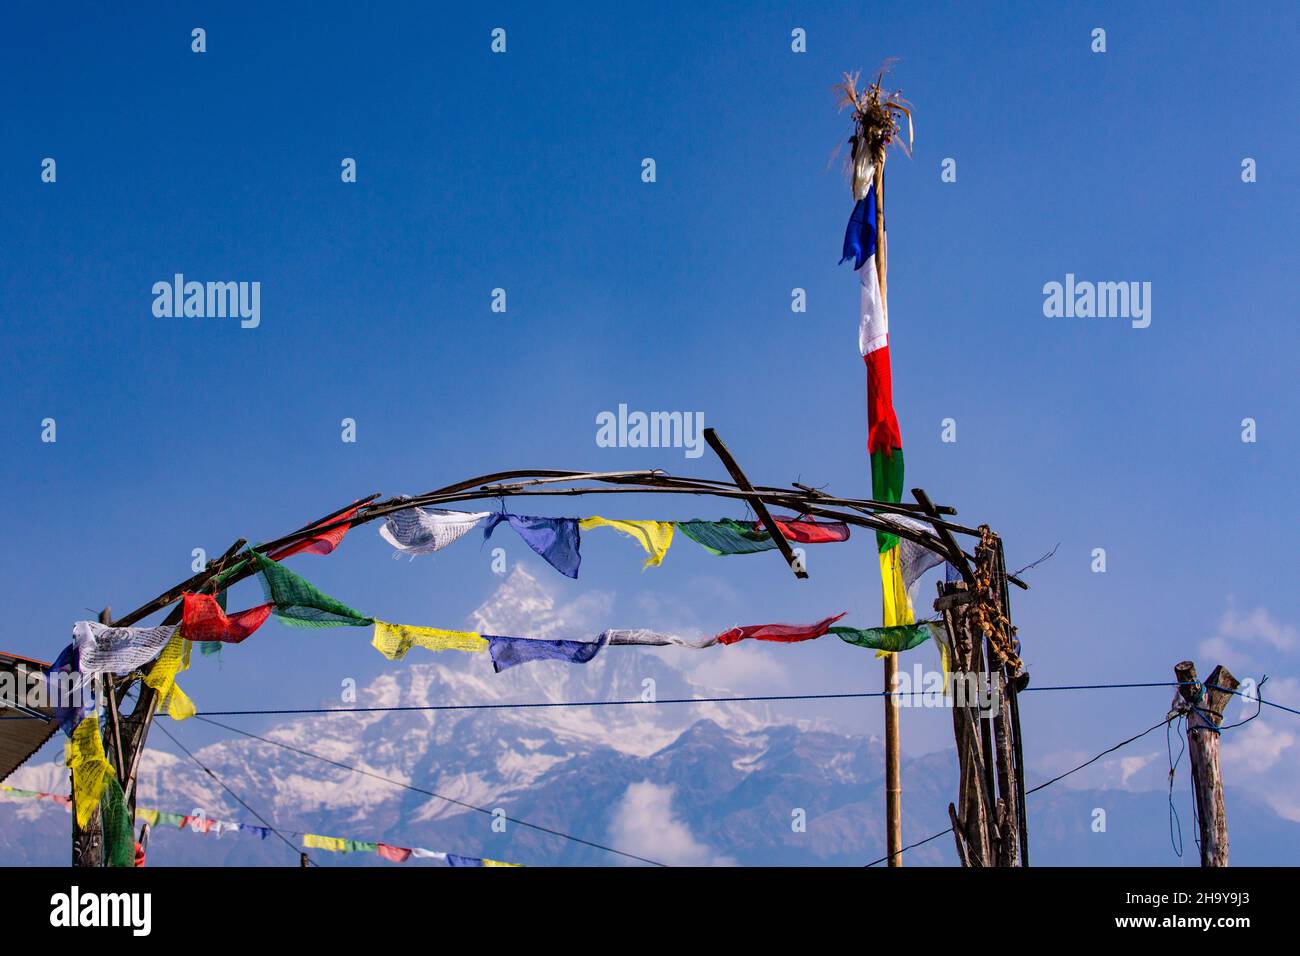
{"x": 540, "y": 704}
{"x": 756, "y": 698}
{"x": 430, "y": 793}
{"x": 1174, "y": 821}
{"x": 292, "y": 846}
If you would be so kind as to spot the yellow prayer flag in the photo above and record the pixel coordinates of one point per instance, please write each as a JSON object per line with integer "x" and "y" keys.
{"x": 499, "y": 863}
{"x": 84, "y": 755}
{"x": 316, "y": 842}
{"x": 148, "y": 816}
{"x": 394, "y": 640}
{"x": 175, "y": 657}
{"x": 896, "y": 606}
{"x": 654, "y": 536}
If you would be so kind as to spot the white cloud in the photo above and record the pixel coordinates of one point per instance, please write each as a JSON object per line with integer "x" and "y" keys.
{"x": 1254, "y": 748}
{"x": 739, "y": 670}
{"x": 644, "y": 824}
{"x": 1240, "y": 635}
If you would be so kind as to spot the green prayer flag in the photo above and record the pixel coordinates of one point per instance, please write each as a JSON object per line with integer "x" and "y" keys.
{"x": 300, "y": 603}
{"x": 727, "y": 536}
{"x": 902, "y": 637}
{"x": 119, "y": 837}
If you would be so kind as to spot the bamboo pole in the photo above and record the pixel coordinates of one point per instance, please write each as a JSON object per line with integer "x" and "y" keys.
{"x": 893, "y": 768}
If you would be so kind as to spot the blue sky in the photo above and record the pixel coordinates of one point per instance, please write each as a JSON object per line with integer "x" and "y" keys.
{"x": 522, "y": 171}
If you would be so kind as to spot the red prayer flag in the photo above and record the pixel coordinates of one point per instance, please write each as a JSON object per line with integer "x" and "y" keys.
{"x": 398, "y": 854}
{"x": 322, "y": 543}
{"x": 784, "y": 633}
{"x": 804, "y": 530}
{"x": 203, "y": 620}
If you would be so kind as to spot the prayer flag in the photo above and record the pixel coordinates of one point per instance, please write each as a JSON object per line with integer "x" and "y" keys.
{"x": 655, "y": 537}
{"x": 84, "y": 755}
{"x": 645, "y": 638}
{"x": 300, "y": 603}
{"x": 884, "y": 439}
{"x": 902, "y": 637}
{"x": 117, "y": 650}
{"x": 174, "y": 658}
{"x": 555, "y": 539}
{"x": 394, "y": 640}
{"x": 783, "y": 633}
{"x": 727, "y": 536}
{"x": 313, "y": 841}
{"x": 804, "y": 530}
{"x": 115, "y": 819}
{"x": 71, "y": 693}
{"x": 508, "y": 651}
{"x": 322, "y": 543}
{"x": 203, "y": 619}
{"x": 426, "y": 530}
{"x": 396, "y": 854}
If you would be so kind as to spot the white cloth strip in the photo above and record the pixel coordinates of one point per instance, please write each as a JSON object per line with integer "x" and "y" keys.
{"x": 645, "y": 638}
{"x": 873, "y": 319}
{"x": 427, "y": 854}
{"x": 118, "y": 650}
{"x": 426, "y": 530}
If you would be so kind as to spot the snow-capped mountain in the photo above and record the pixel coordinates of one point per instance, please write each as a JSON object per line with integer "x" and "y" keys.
{"x": 705, "y": 784}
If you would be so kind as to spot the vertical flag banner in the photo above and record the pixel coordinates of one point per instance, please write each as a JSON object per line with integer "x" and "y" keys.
{"x": 884, "y": 439}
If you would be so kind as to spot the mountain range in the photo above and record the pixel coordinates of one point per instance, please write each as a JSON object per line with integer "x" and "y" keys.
{"x": 705, "y": 784}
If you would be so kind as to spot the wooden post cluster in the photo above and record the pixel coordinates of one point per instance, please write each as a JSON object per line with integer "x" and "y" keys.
{"x": 1204, "y": 705}
{"x": 986, "y": 675}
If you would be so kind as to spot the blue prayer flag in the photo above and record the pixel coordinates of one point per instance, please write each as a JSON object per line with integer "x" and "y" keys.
{"x": 509, "y": 651}
{"x": 555, "y": 539}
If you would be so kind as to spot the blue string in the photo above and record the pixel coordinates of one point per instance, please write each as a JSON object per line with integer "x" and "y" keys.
{"x": 1174, "y": 821}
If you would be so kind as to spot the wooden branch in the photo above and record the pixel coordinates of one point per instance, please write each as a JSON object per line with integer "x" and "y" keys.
{"x": 755, "y": 501}
{"x": 959, "y": 835}
{"x": 110, "y": 695}
{"x": 956, "y": 555}
{"x": 802, "y": 500}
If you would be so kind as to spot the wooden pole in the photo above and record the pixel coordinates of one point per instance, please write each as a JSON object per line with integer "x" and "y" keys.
{"x": 893, "y": 769}
{"x": 893, "y": 774}
{"x": 971, "y": 813}
{"x": 88, "y": 842}
{"x": 1204, "y": 705}
{"x": 110, "y": 698}
{"x": 989, "y": 815}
